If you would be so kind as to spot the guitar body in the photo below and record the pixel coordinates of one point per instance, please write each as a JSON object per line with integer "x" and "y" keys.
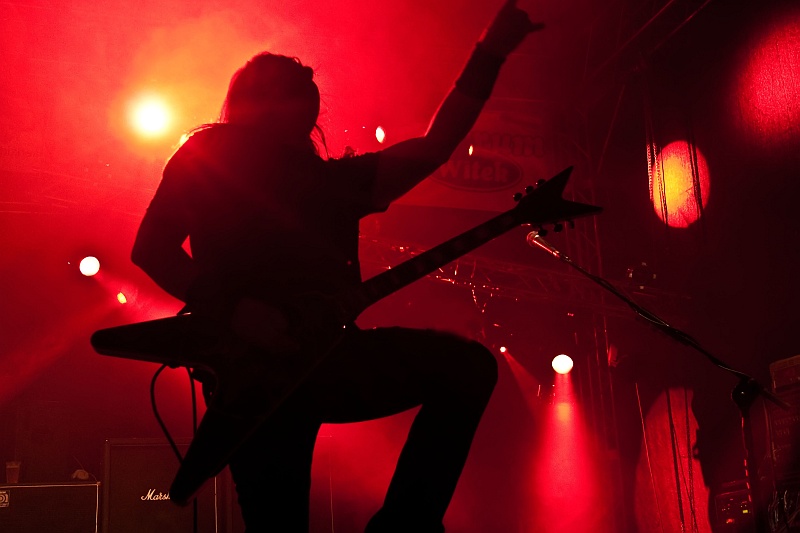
{"x": 253, "y": 380}
{"x": 183, "y": 340}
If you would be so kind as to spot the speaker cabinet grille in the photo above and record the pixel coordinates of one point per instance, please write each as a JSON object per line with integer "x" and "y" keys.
{"x": 137, "y": 474}
{"x": 49, "y": 508}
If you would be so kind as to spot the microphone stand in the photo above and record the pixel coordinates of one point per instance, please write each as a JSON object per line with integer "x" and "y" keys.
{"x": 744, "y": 393}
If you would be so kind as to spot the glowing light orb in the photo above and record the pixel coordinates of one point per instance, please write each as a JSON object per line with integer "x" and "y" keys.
{"x": 121, "y": 298}
{"x": 380, "y": 134}
{"x": 89, "y": 266}
{"x": 149, "y": 116}
{"x": 673, "y": 187}
{"x": 562, "y": 364}
{"x": 471, "y": 149}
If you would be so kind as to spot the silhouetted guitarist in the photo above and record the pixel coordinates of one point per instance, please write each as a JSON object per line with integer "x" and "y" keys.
{"x": 268, "y": 218}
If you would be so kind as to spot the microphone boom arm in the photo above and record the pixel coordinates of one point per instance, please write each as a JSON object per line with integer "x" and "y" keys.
{"x": 743, "y": 395}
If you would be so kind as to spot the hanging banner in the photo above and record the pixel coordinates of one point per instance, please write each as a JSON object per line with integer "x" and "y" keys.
{"x": 502, "y": 154}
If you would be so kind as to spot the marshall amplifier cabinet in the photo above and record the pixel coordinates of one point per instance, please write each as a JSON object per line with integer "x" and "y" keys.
{"x": 137, "y": 474}
{"x": 784, "y": 424}
{"x": 49, "y": 508}
{"x": 784, "y": 432}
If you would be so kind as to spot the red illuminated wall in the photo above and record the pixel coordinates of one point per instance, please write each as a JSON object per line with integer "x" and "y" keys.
{"x": 767, "y": 81}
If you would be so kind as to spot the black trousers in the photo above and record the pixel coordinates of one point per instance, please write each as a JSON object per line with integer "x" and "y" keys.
{"x": 372, "y": 374}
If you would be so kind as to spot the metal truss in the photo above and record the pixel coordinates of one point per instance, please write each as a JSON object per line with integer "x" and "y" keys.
{"x": 494, "y": 278}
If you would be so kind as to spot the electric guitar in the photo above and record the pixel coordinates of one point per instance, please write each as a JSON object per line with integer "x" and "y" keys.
{"x": 250, "y": 384}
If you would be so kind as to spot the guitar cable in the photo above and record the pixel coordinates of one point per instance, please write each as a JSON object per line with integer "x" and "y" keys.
{"x": 194, "y": 433}
{"x": 160, "y": 421}
{"x": 166, "y": 432}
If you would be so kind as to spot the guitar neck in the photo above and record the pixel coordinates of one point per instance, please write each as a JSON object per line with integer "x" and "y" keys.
{"x": 394, "y": 279}
{"x": 538, "y": 206}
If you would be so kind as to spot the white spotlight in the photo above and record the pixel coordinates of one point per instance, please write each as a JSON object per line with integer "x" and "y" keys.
{"x": 89, "y": 266}
{"x": 562, "y": 364}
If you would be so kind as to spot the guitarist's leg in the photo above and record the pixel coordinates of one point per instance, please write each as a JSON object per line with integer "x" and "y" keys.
{"x": 272, "y": 472}
{"x": 440, "y": 438}
{"x": 389, "y": 370}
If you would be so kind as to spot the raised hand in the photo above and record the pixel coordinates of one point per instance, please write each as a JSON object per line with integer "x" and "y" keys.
{"x": 508, "y": 29}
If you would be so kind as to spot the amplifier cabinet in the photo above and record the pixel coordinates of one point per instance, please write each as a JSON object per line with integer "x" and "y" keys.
{"x": 784, "y": 424}
{"x": 49, "y": 508}
{"x": 137, "y": 474}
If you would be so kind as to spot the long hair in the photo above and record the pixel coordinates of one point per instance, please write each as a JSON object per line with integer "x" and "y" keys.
{"x": 275, "y": 92}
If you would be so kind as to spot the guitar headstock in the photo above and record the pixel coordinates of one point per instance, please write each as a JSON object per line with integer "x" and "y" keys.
{"x": 544, "y": 204}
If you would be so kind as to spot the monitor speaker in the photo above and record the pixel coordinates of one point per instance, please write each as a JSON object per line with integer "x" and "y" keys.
{"x": 49, "y": 508}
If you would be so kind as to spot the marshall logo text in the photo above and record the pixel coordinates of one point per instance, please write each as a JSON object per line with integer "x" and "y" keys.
{"x": 153, "y": 496}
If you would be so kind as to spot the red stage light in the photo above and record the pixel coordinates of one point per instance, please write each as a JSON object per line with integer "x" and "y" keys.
{"x": 566, "y": 471}
{"x": 675, "y": 175}
{"x": 380, "y": 134}
{"x": 768, "y": 87}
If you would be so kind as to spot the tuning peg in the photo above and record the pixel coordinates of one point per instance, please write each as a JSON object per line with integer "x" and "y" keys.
{"x": 529, "y": 189}
{"x": 517, "y": 196}
{"x": 557, "y": 227}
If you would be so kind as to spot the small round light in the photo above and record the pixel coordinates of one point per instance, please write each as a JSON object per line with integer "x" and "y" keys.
{"x": 562, "y": 364}
{"x": 89, "y": 266}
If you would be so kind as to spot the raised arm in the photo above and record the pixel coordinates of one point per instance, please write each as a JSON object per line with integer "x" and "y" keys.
{"x": 158, "y": 251}
{"x": 158, "y": 246}
{"x": 403, "y": 165}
